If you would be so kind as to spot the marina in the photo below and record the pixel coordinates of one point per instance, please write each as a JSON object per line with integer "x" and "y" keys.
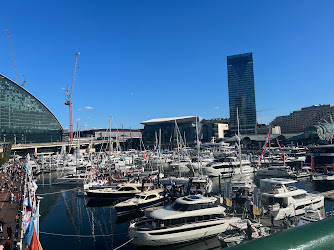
{"x": 110, "y": 219}
{"x": 166, "y": 125}
{"x": 120, "y": 199}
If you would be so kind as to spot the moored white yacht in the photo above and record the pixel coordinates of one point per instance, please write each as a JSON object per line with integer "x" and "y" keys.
{"x": 142, "y": 200}
{"x": 326, "y": 176}
{"x": 276, "y": 171}
{"x": 70, "y": 180}
{"x": 188, "y": 218}
{"x": 284, "y": 200}
{"x": 242, "y": 231}
{"x": 127, "y": 190}
{"x": 230, "y": 166}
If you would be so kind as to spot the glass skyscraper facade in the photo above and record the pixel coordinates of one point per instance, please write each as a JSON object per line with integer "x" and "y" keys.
{"x": 241, "y": 92}
{"x": 23, "y": 118}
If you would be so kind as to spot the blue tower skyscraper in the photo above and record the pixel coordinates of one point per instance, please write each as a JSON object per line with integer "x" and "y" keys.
{"x": 241, "y": 93}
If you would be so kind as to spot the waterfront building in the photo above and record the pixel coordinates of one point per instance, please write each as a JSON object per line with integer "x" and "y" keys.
{"x": 216, "y": 128}
{"x": 186, "y": 128}
{"x": 241, "y": 93}
{"x": 298, "y": 121}
{"x": 24, "y": 118}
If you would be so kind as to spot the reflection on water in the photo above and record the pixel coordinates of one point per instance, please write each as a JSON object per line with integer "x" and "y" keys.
{"x": 209, "y": 243}
{"x": 64, "y": 212}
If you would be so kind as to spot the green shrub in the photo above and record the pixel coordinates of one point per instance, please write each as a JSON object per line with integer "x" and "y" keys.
{"x": 3, "y": 160}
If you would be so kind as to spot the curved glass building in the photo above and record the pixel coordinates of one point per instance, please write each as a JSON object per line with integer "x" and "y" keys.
{"x": 24, "y": 118}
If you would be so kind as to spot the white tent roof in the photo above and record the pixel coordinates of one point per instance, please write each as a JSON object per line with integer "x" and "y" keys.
{"x": 181, "y": 119}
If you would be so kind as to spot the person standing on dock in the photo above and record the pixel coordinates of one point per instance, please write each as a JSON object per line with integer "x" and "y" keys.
{"x": 272, "y": 220}
{"x": 9, "y": 232}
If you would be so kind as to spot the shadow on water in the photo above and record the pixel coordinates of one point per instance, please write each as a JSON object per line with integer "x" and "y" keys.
{"x": 101, "y": 202}
{"x": 126, "y": 217}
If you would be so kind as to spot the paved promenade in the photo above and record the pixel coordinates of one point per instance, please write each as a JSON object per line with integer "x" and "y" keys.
{"x": 10, "y": 191}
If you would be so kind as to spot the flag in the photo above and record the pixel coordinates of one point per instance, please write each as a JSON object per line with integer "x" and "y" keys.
{"x": 35, "y": 244}
{"x": 265, "y": 144}
{"x": 144, "y": 155}
{"x": 283, "y": 157}
{"x": 36, "y": 219}
{"x": 256, "y": 202}
{"x": 29, "y": 232}
{"x": 228, "y": 194}
{"x": 228, "y": 202}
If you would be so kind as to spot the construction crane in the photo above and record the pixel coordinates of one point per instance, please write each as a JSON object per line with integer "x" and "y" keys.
{"x": 69, "y": 96}
{"x": 264, "y": 110}
{"x": 24, "y": 82}
{"x": 11, "y": 50}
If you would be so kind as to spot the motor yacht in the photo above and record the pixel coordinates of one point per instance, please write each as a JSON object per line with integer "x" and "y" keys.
{"x": 305, "y": 172}
{"x": 242, "y": 231}
{"x": 70, "y": 180}
{"x": 123, "y": 191}
{"x": 282, "y": 199}
{"x": 141, "y": 201}
{"x": 311, "y": 216}
{"x": 187, "y": 219}
{"x": 326, "y": 176}
{"x": 276, "y": 171}
{"x": 228, "y": 167}
{"x": 242, "y": 189}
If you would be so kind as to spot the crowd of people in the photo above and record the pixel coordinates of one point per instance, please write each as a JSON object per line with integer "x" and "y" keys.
{"x": 12, "y": 179}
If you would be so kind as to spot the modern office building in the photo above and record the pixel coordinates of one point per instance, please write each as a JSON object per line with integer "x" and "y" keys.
{"x": 298, "y": 121}
{"x": 241, "y": 93}
{"x": 24, "y": 118}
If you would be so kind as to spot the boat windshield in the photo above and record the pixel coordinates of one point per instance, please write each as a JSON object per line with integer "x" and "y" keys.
{"x": 190, "y": 207}
{"x": 140, "y": 197}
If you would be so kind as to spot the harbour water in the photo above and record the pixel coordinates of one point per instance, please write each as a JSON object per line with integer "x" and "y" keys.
{"x": 68, "y": 223}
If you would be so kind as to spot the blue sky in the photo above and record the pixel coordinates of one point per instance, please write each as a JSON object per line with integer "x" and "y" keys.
{"x": 145, "y": 59}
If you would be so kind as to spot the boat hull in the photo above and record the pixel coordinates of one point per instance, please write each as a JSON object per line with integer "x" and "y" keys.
{"x": 179, "y": 234}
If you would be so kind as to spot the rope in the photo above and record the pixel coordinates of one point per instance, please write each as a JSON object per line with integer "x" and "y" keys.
{"x": 58, "y": 192}
{"x": 75, "y": 235}
{"x": 123, "y": 244}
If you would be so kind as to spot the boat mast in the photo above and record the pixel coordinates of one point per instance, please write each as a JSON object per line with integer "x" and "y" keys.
{"x": 110, "y": 145}
{"x": 78, "y": 148}
{"x": 198, "y": 160}
{"x": 178, "y": 145}
{"x": 239, "y": 140}
{"x": 160, "y": 167}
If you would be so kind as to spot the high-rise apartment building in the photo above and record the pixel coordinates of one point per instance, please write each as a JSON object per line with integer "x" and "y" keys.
{"x": 241, "y": 93}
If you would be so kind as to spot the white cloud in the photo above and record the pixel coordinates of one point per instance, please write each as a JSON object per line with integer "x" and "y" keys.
{"x": 79, "y": 109}
{"x": 217, "y": 107}
{"x": 88, "y": 107}
{"x": 85, "y": 125}
{"x": 89, "y": 117}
